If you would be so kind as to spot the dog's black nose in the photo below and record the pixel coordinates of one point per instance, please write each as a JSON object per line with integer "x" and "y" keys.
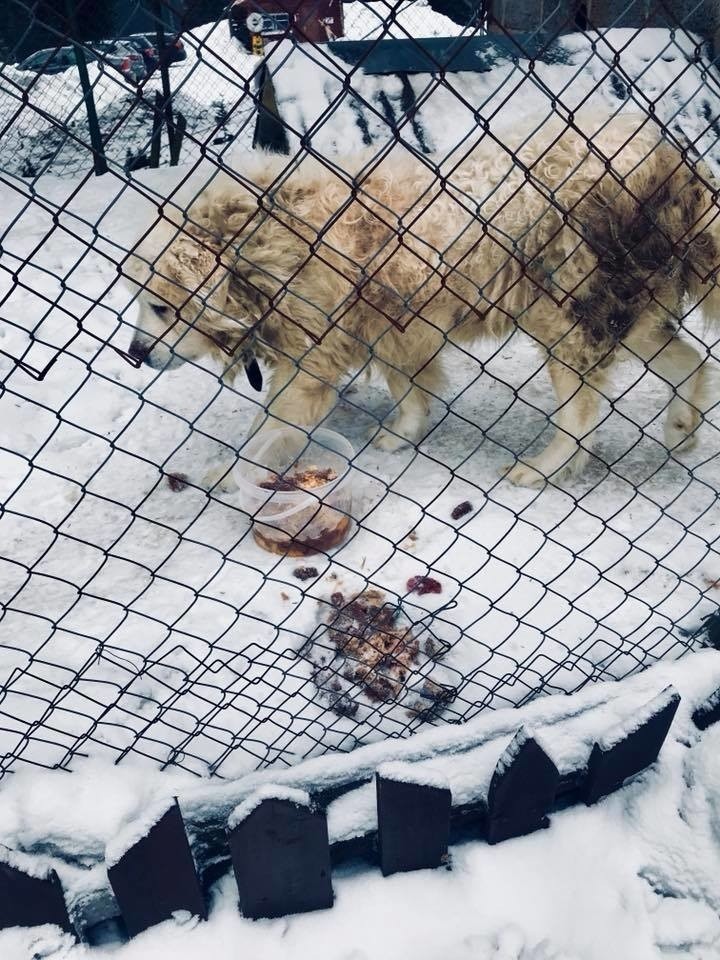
{"x": 138, "y": 351}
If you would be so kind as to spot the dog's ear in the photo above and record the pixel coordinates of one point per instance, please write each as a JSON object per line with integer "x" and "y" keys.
{"x": 196, "y": 265}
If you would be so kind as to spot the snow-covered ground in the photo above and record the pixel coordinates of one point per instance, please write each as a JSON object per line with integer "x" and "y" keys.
{"x": 143, "y": 623}
{"x": 141, "y": 620}
{"x": 636, "y": 877}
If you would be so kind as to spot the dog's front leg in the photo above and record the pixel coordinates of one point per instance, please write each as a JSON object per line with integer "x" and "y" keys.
{"x": 297, "y": 399}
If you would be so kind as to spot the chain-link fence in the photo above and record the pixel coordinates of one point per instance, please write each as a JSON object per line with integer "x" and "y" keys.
{"x": 135, "y": 55}
{"x": 259, "y": 407}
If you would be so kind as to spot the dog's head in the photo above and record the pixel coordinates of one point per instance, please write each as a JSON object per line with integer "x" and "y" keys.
{"x": 216, "y": 283}
{"x": 185, "y": 307}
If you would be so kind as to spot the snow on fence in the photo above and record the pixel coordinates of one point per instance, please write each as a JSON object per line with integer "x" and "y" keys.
{"x": 148, "y": 615}
{"x": 283, "y": 840}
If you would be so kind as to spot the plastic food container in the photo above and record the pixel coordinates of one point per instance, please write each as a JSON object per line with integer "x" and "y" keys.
{"x": 297, "y": 490}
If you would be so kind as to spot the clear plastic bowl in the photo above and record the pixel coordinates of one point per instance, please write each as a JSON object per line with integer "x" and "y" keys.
{"x": 296, "y": 522}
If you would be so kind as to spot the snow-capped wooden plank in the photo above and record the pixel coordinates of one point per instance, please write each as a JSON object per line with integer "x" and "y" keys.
{"x": 708, "y": 712}
{"x": 152, "y": 872}
{"x": 30, "y": 896}
{"x": 522, "y": 789}
{"x": 413, "y": 812}
{"x": 631, "y": 747}
{"x": 280, "y": 854}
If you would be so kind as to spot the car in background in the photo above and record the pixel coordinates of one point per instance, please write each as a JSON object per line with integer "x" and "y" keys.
{"x": 121, "y": 57}
{"x": 125, "y": 58}
{"x": 142, "y": 44}
{"x": 135, "y": 56}
{"x": 176, "y": 50}
{"x": 53, "y": 60}
{"x": 148, "y": 47}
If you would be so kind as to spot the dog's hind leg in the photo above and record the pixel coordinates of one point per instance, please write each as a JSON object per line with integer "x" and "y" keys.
{"x": 576, "y": 418}
{"x": 682, "y": 367}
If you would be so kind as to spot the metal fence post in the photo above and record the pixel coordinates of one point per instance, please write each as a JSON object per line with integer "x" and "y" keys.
{"x": 270, "y": 132}
{"x": 99, "y": 160}
{"x": 175, "y": 131}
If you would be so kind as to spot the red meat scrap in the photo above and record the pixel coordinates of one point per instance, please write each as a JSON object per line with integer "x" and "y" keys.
{"x": 423, "y": 585}
{"x": 461, "y": 510}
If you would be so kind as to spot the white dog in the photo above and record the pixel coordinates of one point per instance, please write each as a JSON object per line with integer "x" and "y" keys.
{"x": 588, "y": 247}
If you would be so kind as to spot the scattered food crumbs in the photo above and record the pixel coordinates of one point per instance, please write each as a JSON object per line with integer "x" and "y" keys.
{"x": 366, "y": 651}
{"x": 422, "y": 585}
{"x": 461, "y": 510}
{"x": 305, "y": 573}
{"x": 177, "y": 482}
{"x": 331, "y": 576}
{"x": 284, "y": 595}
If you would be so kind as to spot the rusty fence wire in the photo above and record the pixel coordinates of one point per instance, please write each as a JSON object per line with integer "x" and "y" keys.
{"x": 313, "y": 429}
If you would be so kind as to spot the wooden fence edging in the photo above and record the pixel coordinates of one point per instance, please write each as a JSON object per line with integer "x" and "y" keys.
{"x": 413, "y": 808}
{"x": 156, "y": 876}
{"x": 277, "y": 839}
{"x": 708, "y": 712}
{"x": 30, "y": 896}
{"x": 632, "y": 748}
{"x": 280, "y": 854}
{"x": 522, "y": 789}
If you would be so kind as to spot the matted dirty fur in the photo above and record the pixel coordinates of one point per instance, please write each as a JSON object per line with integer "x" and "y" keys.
{"x": 590, "y": 248}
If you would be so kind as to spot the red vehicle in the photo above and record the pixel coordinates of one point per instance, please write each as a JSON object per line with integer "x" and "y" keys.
{"x": 127, "y": 61}
{"x": 140, "y": 45}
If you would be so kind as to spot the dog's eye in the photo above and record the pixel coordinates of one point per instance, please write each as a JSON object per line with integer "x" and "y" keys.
{"x": 161, "y": 309}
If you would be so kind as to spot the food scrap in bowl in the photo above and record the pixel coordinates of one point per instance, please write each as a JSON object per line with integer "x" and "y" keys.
{"x": 317, "y": 528}
{"x": 308, "y": 479}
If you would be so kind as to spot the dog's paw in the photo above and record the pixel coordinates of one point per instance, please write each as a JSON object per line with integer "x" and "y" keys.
{"x": 385, "y": 440}
{"x": 525, "y": 475}
{"x": 681, "y": 427}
